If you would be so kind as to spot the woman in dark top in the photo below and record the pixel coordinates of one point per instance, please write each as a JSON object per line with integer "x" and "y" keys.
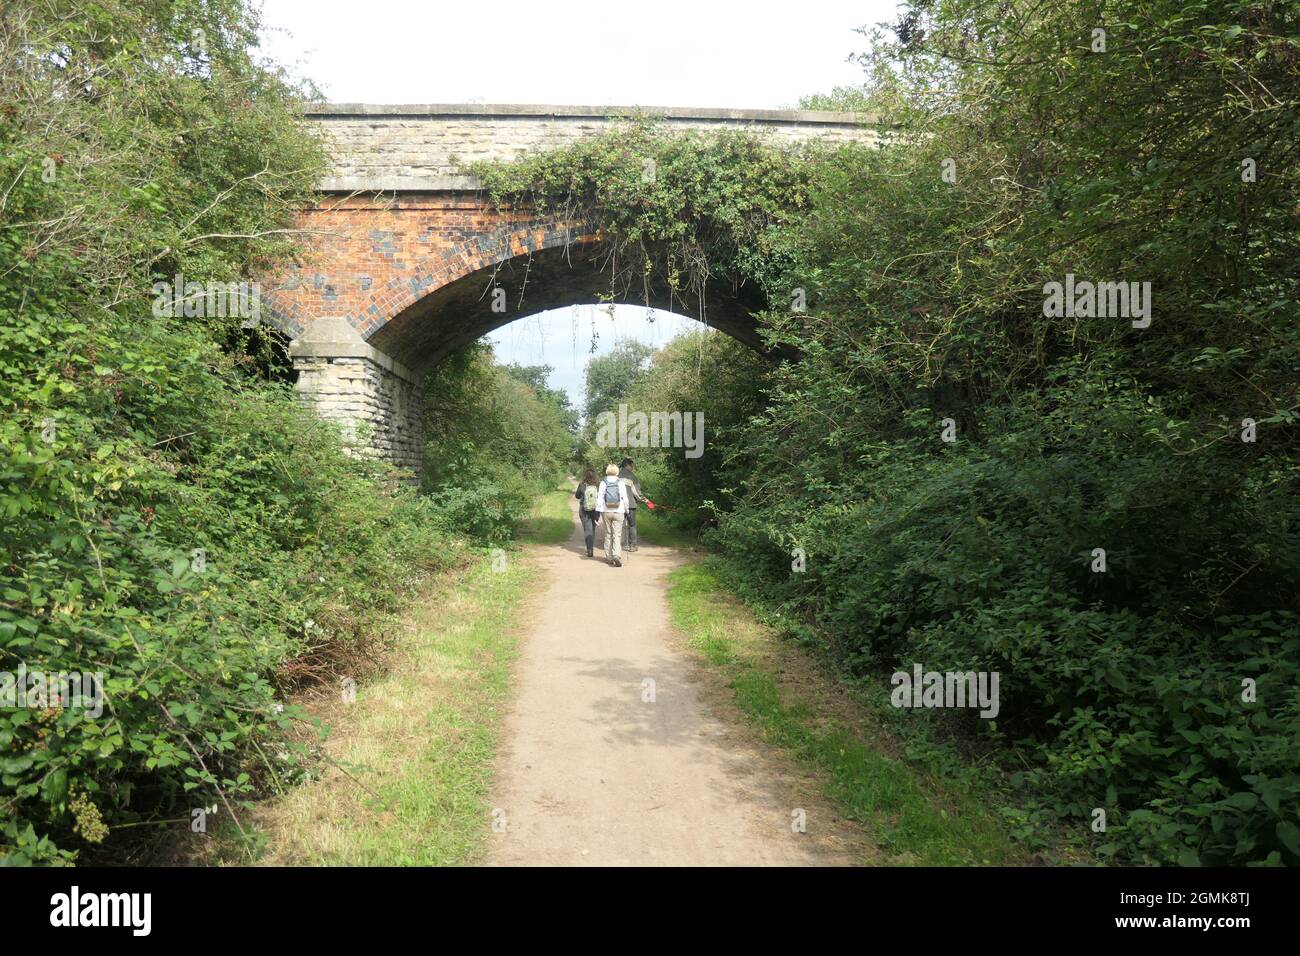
{"x": 589, "y": 518}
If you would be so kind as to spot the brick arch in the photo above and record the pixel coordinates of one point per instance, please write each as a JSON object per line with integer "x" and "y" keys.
{"x": 368, "y": 256}
{"x": 389, "y": 287}
{"x": 408, "y": 273}
{"x": 459, "y": 261}
{"x": 536, "y": 277}
{"x": 401, "y": 242}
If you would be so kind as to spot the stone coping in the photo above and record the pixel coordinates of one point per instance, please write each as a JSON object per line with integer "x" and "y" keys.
{"x": 706, "y": 113}
{"x": 385, "y": 184}
{"x": 332, "y": 337}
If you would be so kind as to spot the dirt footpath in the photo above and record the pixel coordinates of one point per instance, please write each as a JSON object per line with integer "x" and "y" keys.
{"x": 592, "y": 772}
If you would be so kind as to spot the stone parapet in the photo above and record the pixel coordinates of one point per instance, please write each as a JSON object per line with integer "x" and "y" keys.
{"x": 427, "y": 147}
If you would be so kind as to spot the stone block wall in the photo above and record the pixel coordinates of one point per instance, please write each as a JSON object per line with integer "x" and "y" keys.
{"x": 429, "y": 146}
{"x": 377, "y": 403}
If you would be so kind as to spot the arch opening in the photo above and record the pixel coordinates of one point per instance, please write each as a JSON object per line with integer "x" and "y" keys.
{"x": 486, "y": 298}
{"x": 366, "y": 368}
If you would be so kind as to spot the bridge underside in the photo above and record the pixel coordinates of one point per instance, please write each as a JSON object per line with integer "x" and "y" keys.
{"x": 462, "y": 311}
{"x": 364, "y": 366}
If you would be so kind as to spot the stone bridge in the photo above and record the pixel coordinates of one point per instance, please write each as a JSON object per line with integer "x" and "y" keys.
{"x": 405, "y": 254}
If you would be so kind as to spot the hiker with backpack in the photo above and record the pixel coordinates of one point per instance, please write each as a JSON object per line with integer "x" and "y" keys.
{"x": 588, "y": 495}
{"x": 627, "y": 474}
{"x": 612, "y": 503}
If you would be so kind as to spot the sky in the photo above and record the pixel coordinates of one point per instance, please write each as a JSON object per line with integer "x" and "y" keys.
{"x": 563, "y": 338}
{"x": 581, "y": 52}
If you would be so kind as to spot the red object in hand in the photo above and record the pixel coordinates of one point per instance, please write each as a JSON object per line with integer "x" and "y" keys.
{"x": 649, "y": 504}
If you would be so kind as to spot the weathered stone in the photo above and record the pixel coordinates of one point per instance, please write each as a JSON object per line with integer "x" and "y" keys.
{"x": 347, "y": 381}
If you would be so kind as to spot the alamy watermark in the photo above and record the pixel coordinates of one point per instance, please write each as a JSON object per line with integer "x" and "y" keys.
{"x": 923, "y": 688}
{"x": 1103, "y": 300}
{"x": 652, "y": 430}
{"x": 208, "y": 300}
{"x": 75, "y": 908}
{"x": 40, "y": 690}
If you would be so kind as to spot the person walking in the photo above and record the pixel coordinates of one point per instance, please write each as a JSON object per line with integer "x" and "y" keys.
{"x": 588, "y": 495}
{"x": 627, "y": 474}
{"x": 612, "y": 505}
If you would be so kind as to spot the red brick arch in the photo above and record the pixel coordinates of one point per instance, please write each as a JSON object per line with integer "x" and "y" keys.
{"x": 408, "y": 273}
{"x": 369, "y": 257}
{"x": 389, "y": 286}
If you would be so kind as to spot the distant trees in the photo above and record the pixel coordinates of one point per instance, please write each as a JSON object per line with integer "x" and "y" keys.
{"x": 609, "y": 380}
{"x": 495, "y": 436}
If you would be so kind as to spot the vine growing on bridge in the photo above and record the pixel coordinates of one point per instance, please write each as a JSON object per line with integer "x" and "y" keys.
{"x": 676, "y": 212}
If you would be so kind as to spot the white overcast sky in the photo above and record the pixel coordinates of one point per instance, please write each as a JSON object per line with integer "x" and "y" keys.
{"x": 755, "y": 55}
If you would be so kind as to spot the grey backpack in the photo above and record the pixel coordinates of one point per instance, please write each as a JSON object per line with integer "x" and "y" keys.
{"x": 613, "y": 497}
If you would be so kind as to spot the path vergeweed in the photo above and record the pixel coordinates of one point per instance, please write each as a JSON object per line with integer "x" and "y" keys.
{"x": 415, "y": 748}
{"x": 797, "y": 708}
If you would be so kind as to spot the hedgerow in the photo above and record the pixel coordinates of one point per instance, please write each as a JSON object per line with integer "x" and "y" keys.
{"x": 169, "y": 518}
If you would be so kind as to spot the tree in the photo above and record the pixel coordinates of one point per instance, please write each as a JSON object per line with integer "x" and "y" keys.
{"x": 537, "y": 378}
{"x": 610, "y": 379}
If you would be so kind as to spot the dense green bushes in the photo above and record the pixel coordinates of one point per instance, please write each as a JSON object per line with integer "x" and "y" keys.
{"x": 168, "y": 517}
{"x": 496, "y": 436}
{"x": 206, "y": 547}
{"x": 1122, "y": 689}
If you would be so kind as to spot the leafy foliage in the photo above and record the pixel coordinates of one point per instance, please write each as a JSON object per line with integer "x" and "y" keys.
{"x": 703, "y": 373}
{"x": 676, "y": 211}
{"x": 496, "y": 436}
{"x": 171, "y": 520}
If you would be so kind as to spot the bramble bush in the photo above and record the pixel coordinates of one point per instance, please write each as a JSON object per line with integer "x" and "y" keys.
{"x": 1120, "y": 690}
{"x": 303, "y": 558}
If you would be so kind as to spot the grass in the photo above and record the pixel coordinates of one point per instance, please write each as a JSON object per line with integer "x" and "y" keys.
{"x": 407, "y": 771}
{"x": 653, "y": 528}
{"x": 406, "y": 777}
{"x": 551, "y": 520}
{"x": 797, "y": 707}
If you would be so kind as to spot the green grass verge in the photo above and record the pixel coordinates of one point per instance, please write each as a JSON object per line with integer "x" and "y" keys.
{"x": 406, "y": 783}
{"x": 653, "y": 527}
{"x": 405, "y": 774}
{"x": 913, "y": 821}
{"x": 551, "y": 521}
